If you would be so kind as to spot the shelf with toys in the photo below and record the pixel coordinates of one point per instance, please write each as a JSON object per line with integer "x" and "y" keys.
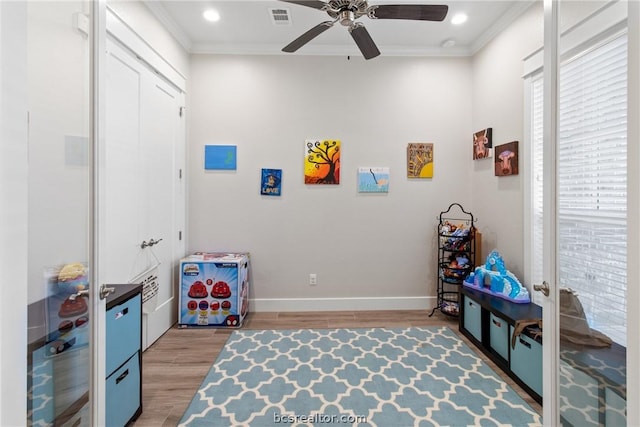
{"x": 456, "y": 256}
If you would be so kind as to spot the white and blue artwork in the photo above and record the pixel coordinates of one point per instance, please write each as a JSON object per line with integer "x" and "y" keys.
{"x": 373, "y": 180}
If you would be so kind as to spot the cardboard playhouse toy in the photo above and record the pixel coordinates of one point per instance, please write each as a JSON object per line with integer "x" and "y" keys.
{"x": 494, "y": 278}
{"x": 214, "y": 289}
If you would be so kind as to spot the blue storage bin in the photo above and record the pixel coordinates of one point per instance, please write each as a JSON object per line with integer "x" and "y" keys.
{"x": 123, "y": 332}
{"x": 499, "y": 336}
{"x": 526, "y": 361}
{"x": 472, "y": 317}
{"x": 123, "y": 393}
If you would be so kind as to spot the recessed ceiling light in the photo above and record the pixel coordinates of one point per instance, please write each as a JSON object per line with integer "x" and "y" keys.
{"x": 458, "y": 19}
{"x": 211, "y": 15}
{"x": 448, "y": 43}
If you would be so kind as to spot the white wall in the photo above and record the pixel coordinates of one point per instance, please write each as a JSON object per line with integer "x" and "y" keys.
{"x": 360, "y": 245}
{"x": 498, "y": 103}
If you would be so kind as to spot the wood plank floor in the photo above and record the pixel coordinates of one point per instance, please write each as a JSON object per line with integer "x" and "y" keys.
{"x": 175, "y": 365}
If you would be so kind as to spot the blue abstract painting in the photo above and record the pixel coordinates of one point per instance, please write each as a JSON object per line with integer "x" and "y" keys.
{"x": 221, "y": 157}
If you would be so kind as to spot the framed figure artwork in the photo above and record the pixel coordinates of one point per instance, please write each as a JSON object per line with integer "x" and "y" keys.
{"x": 482, "y": 144}
{"x": 506, "y": 162}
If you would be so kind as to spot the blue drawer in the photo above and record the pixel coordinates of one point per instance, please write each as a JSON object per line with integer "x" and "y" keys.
{"x": 123, "y": 332}
{"x": 499, "y": 336}
{"x": 123, "y": 393}
{"x": 526, "y": 361}
{"x": 472, "y": 317}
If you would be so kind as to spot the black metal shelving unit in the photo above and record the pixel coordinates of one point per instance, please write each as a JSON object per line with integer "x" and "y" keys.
{"x": 456, "y": 256}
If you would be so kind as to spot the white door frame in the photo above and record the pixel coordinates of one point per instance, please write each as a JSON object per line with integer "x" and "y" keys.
{"x": 633, "y": 212}
{"x": 550, "y": 339}
{"x": 97, "y": 394}
{"x": 14, "y": 179}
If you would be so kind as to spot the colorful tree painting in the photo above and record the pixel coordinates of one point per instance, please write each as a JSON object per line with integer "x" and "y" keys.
{"x": 322, "y": 162}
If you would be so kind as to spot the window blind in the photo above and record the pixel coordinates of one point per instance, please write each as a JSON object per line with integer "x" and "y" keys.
{"x": 537, "y": 140}
{"x": 592, "y": 182}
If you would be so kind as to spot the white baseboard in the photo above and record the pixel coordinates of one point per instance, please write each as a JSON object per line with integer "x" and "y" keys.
{"x": 342, "y": 304}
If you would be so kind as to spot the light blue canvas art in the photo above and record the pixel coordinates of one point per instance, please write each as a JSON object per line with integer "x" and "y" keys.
{"x": 373, "y": 180}
{"x": 220, "y": 157}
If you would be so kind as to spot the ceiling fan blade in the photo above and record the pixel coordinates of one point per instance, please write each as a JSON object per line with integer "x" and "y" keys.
{"x": 364, "y": 41}
{"x": 316, "y": 4}
{"x": 425, "y": 12}
{"x": 308, "y": 36}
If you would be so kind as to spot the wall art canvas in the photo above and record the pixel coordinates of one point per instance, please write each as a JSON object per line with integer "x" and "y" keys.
{"x": 506, "y": 162}
{"x": 482, "y": 144}
{"x": 373, "y": 180}
{"x": 322, "y": 161}
{"x": 220, "y": 157}
{"x": 420, "y": 160}
{"x": 271, "y": 183}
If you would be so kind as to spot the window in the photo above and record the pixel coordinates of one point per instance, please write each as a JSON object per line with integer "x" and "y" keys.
{"x": 592, "y": 182}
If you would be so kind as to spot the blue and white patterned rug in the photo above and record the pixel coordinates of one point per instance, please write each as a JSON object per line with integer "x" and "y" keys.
{"x": 417, "y": 376}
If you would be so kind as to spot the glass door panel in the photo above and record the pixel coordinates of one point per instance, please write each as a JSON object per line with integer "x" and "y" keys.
{"x": 590, "y": 216}
{"x": 58, "y": 91}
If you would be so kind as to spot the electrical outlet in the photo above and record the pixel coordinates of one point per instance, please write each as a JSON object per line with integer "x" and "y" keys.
{"x": 313, "y": 279}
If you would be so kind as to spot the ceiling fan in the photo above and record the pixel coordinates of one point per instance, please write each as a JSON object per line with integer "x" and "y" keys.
{"x": 348, "y": 11}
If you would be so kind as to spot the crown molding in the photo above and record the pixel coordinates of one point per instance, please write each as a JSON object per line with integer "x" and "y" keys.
{"x": 158, "y": 10}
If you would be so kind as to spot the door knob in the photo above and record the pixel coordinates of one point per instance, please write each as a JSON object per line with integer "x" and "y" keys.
{"x": 150, "y": 243}
{"x": 105, "y": 291}
{"x": 544, "y": 288}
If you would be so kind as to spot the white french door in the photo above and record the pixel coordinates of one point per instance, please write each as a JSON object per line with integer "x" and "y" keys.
{"x": 585, "y": 213}
{"x": 57, "y": 64}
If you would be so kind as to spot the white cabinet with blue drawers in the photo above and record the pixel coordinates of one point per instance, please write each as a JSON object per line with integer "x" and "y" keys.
{"x": 124, "y": 355}
{"x": 489, "y": 323}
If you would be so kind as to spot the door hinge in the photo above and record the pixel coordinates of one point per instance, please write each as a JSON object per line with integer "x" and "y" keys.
{"x": 179, "y": 173}
{"x": 179, "y": 235}
{"x": 181, "y": 111}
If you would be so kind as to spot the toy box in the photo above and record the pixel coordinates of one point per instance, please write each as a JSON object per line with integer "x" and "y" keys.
{"x": 214, "y": 289}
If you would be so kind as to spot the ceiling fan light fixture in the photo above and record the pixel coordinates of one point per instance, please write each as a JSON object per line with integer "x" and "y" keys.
{"x": 346, "y": 18}
{"x": 348, "y": 11}
{"x": 211, "y": 15}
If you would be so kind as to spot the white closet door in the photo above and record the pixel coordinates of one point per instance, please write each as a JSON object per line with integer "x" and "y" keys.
{"x": 159, "y": 123}
{"x": 143, "y": 132}
{"x": 121, "y": 193}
